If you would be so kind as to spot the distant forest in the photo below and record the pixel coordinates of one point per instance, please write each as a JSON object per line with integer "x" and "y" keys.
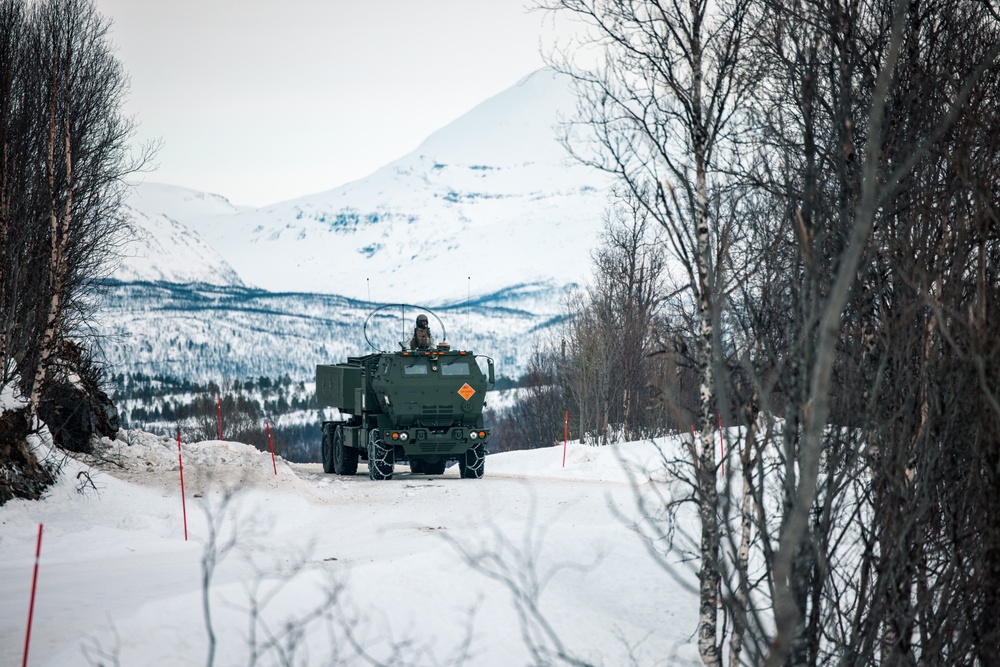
{"x": 165, "y": 405}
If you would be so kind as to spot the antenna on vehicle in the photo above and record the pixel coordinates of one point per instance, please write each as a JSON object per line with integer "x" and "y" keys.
{"x": 369, "y": 282}
{"x": 468, "y": 305}
{"x": 375, "y": 311}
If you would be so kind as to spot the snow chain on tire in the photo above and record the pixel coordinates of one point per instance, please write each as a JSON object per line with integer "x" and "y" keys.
{"x": 473, "y": 464}
{"x": 381, "y": 460}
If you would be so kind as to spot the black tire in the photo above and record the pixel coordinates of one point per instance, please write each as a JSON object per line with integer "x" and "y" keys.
{"x": 381, "y": 459}
{"x": 326, "y": 451}
{"x": 345, "y": 459}
{"x": 434, "y": 468}
{"x": 472, "y": 464}
{"x": 417, "y": 466}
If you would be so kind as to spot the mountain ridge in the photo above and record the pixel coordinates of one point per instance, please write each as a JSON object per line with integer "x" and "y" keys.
{"x": 203, "y": 332}
{"x": 487, "y": 201}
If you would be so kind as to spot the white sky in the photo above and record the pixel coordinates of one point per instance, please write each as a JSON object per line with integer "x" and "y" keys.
{"x": 266, "y": 100}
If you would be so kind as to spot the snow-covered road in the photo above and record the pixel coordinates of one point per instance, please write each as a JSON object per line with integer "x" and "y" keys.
{"x": 409, "y": 571}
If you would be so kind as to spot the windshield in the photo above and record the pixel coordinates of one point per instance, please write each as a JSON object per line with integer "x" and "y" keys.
{"x": 456, "y": 368}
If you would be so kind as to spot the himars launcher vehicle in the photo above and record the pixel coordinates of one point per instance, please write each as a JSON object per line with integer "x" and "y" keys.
{"x": 424, "y": 406}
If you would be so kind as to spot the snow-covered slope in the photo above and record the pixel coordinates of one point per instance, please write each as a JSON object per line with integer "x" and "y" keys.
{"x": 489, "y": 201}
{"x": 166, "y": 250}
{"x": 179, "y": 203}
{"x": 204, "y": 332}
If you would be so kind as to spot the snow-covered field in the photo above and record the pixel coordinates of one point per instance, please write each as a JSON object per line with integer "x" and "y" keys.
{"x": 321, "y": 569}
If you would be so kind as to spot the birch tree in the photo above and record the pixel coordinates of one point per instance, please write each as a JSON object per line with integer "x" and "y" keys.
{"x": 66, "y": 151}
{"x": 659, "y": 106}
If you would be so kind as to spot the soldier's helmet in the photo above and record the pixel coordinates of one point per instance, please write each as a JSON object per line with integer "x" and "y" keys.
{"x": 422, "y": 321}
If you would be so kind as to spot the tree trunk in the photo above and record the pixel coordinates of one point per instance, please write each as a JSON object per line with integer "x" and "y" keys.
{"x": 59, "y": 229}
{"x": 708, "y": 494}
{"x": 743, "y": 558}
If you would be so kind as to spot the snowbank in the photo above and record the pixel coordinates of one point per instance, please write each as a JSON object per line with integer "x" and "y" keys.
{"x": 625, "y": 463}
{"x": 152, "y": 460}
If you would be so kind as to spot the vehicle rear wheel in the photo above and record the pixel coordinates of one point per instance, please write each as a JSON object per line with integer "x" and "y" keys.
{"x": 381, "y": 459}
{"x": 326, "y": 451}
{"x": 472, "y": 464}
{"x": 345, "y": 459}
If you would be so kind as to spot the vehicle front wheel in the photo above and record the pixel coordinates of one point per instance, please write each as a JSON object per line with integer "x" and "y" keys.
{"x": 472, "y": 464}
{"x": 345, "y": 459}
{"x": 381, "y": 459}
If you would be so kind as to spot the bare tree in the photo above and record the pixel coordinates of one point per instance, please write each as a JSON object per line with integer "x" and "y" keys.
{"x": 854, "y": 115}
{"x": 611, "y": 364}
{"x": 86, "y": 158}
{"x": 535, "y": 418}
{"x": 844, "y": 301}
{"x": 66, "y": 150}
{"x": 659, "y": 105}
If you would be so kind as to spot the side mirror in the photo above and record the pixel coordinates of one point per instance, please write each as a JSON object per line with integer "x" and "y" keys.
{"x": 489, "y": 378}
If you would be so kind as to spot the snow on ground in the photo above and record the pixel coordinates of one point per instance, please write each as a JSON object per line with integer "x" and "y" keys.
{"x": 336, "y": 566}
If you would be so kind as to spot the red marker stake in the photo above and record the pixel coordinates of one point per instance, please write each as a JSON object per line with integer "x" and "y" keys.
{"x": 218, "y": 402}
{"x": 180, "y": 462}
{"x": 565, "y": 437}
{"x": 268, "y": 426}
{"x": 31, "y": 607}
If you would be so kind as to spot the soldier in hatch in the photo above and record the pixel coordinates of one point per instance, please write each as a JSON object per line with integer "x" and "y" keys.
{"x": 422, "y": 338}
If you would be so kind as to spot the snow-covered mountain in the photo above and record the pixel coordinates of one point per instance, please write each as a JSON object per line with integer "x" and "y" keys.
{"x": 489, "y": 201}
{"x": 487, "y": 218}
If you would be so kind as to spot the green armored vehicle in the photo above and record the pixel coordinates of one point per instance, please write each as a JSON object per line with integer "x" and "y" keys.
{"x": 422, "y": 405}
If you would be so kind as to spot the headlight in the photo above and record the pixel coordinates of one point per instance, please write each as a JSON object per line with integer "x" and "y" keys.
{"x": 403, "y": 436}
{"x": 473, "y": 435}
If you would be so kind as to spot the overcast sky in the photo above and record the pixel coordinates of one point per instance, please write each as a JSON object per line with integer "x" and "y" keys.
{"x": 265, "y": 100}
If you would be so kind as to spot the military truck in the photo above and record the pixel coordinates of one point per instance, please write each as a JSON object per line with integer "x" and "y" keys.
{"x": 423, "y": 406}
